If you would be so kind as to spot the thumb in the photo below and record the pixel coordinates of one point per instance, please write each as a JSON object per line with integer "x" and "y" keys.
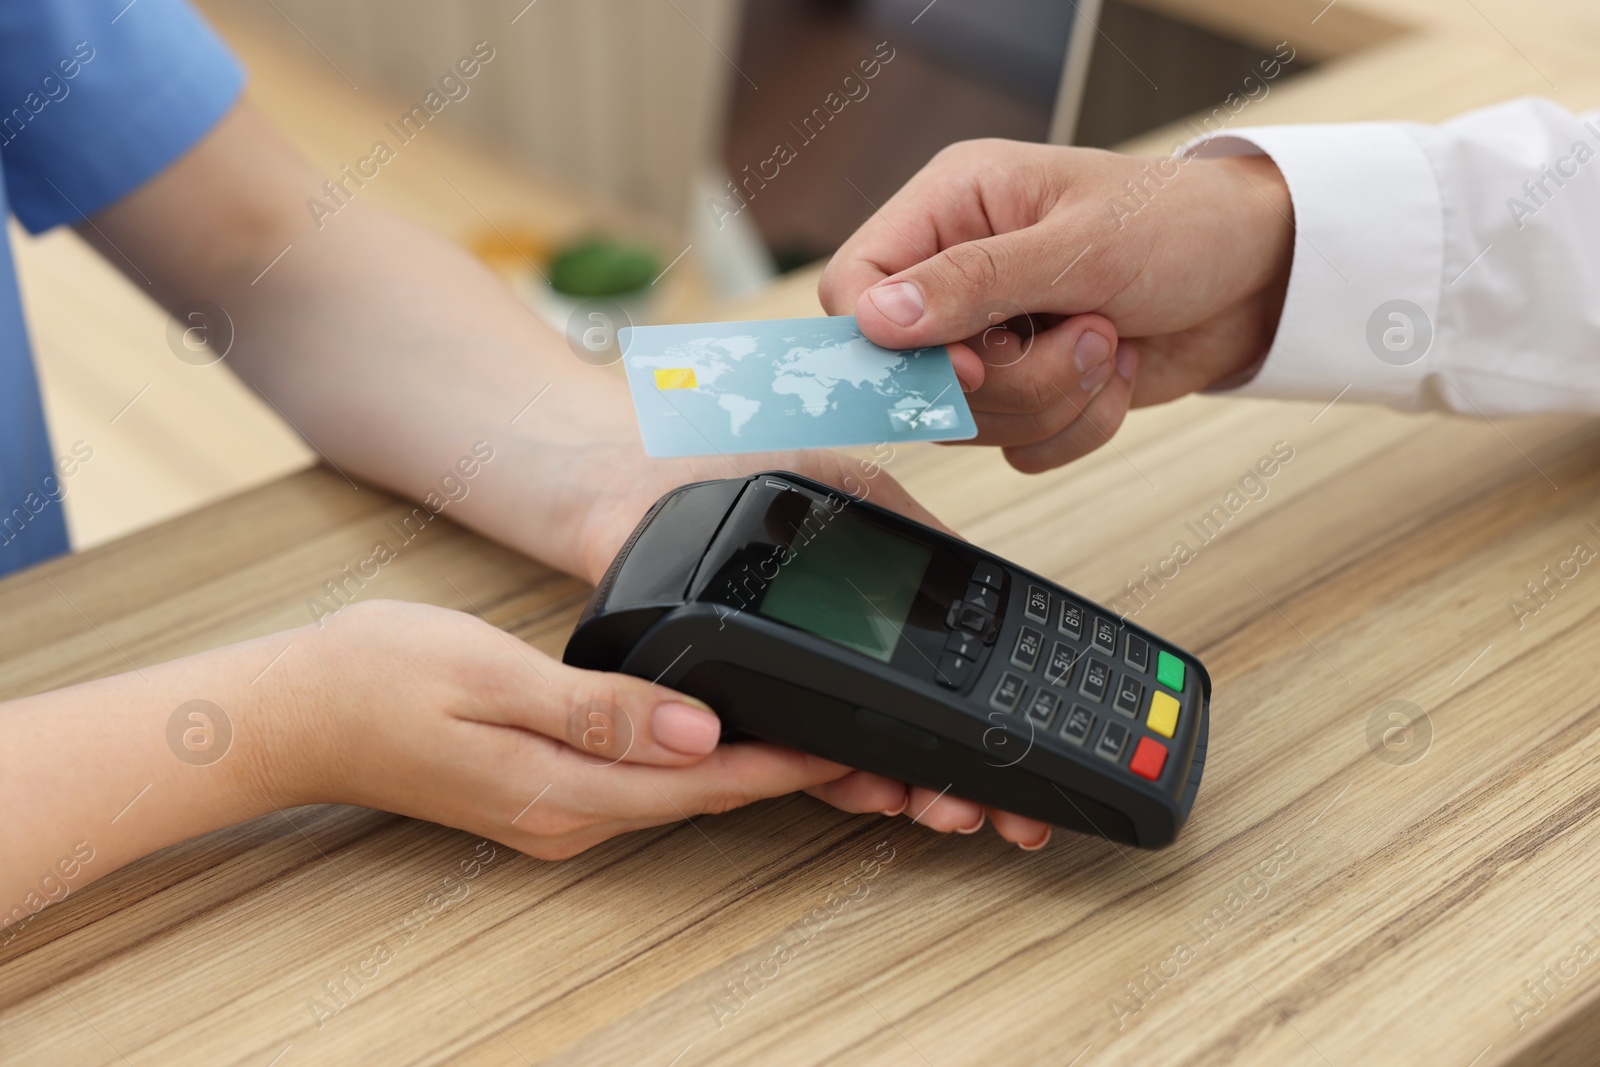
{"x": 610, "y": 717}
{"x": 968, "y": 288}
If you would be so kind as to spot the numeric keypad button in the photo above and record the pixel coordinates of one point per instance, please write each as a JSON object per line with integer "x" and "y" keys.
{"x": 1129, "y": 692}
{"x": 1008, "y": 692}
{"x": 1070, "y": 621}
{"x": 1078, "y": 725}
{"x": 1096, "y": 680}
{"x": 1058, "y": 668}
{"x": 1104, "y": 636}
{"x": 1026, "y": 652}
{"x": 1037, "y": 607}
{"x": 1113, "y": 739}
{"x": 1043, "y": 707}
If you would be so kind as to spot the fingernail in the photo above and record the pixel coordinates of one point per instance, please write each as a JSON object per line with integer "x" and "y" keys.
{"x": 892, "y": 812}
{"x": 900, "y": 302}
{"x": 1043, "y": 841}
{"x": 1126, "y": 359}
{"x": 685, "y": 729}
{"x": 1096, "y": 377}
{"x": 974, "y": 828}
{"x": 1091, "y": 351}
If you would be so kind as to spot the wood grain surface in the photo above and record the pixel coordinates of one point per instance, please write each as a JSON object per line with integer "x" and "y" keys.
{"x": 1334, "y": 900}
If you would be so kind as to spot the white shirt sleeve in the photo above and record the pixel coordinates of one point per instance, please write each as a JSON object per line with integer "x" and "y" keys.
{"x": 1452, "y": 267}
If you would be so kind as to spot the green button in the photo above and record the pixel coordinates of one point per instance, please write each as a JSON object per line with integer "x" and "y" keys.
{"x": 1169, "y": 671}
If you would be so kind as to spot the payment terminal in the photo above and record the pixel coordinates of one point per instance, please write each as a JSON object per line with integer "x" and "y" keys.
{"x": 809, "y": 618}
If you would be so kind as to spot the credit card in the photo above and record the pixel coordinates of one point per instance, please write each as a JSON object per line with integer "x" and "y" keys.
{"x": 714, "y": 388}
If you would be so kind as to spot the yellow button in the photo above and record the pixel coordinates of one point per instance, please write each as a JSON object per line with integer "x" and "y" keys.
{"x": 676, "y": 378}
{"x": 1163, "y": 717}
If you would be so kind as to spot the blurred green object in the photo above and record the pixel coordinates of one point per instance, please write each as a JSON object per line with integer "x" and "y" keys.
{"x": 602, "y": 267}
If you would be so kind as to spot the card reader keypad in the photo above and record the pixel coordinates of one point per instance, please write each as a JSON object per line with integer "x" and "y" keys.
{"x": 984, "y": 598}
{"x": 1137, "y": 654}
{"x": 1078, "y": 725}
{"x": 973, "y": 623}
{"x": 1105, "y": 635}
{"x": 1026, "y": 653}
{"x": 1070, "y": 622}
{"x": 978, "y": 610}
{"x": 963, "y": 643}
{"x": 1113, "y": 739}
{"x": 1096, "y": 680}
{"x": 1037, "y": 607}
{"x": 1129, "y": 690}
{"x": 1042, "y": 708}
{"x": 1058, "y": 668}
{"x": 954, "y": 670}
{"x": 989, "y": 574}
{"x": 1074, "y": 675}
{"x": 971, "y": 618}
{"x": 1008, "y": 692}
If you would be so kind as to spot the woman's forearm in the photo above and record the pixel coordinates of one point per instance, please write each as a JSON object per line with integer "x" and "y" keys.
{"x": 97, "y": 775}
{"x": 393, "y": 351}
{"x": 409, "y": 366}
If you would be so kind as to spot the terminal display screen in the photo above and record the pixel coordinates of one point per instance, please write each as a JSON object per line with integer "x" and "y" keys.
{"x": 850, "y": 582}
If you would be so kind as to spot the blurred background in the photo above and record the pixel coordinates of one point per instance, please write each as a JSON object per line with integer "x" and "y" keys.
{"x": 676, "y": 155}
{"x": 658, "y": 104}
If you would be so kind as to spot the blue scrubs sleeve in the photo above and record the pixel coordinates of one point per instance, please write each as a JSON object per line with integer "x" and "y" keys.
{"x": 96, "y": 98}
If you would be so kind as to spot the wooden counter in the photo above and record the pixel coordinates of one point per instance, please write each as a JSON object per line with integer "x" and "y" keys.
{"x": 1333, "y": 900}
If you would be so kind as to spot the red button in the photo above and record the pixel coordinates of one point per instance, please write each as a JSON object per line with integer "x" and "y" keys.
{"x": 1148, "y": 758}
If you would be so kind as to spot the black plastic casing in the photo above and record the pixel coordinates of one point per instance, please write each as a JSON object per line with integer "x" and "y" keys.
{"x": 656, "y": 615}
